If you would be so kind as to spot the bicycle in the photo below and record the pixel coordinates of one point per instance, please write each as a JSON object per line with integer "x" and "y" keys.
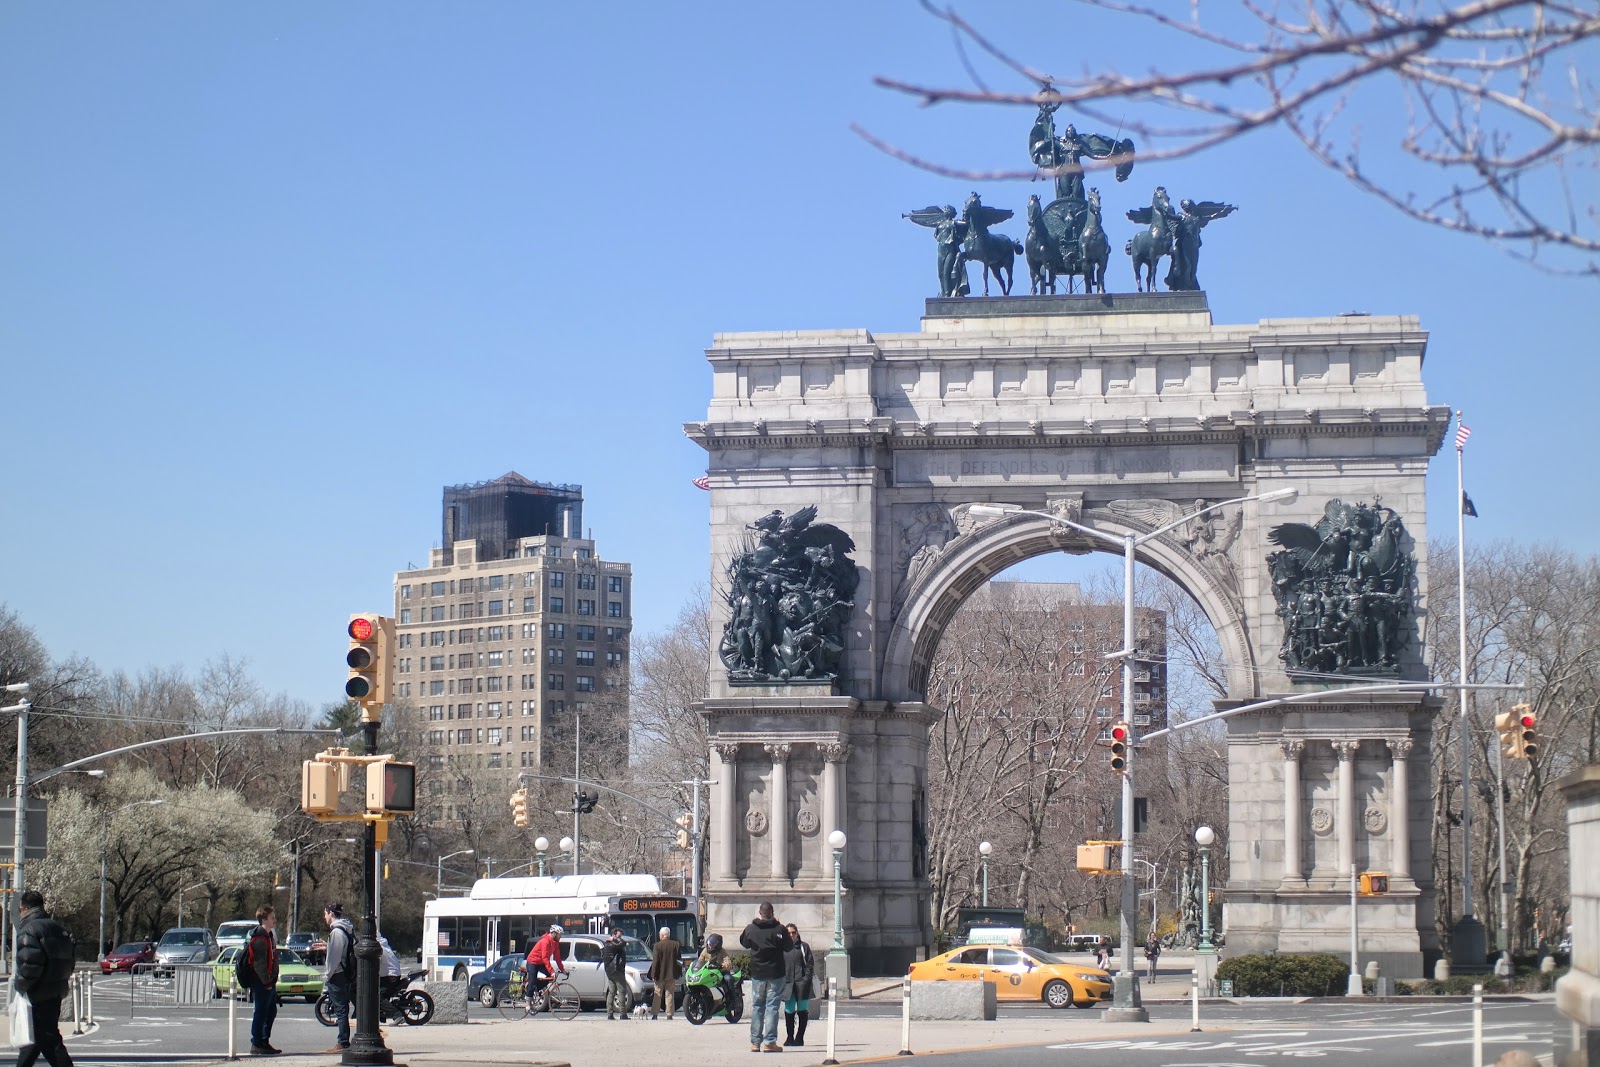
{"x": 558, "y": 997}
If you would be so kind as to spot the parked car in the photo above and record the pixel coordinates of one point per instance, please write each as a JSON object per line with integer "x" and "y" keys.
{"x": 311, "y": 947}
{"x": 126, "y": 957}
{"x": 1020, "y": 973}
{"x": 296, "y": 977}
{"x": 184, "y": 944}
{"x": 581, "y": 954}
{"x": 235, "y": 932}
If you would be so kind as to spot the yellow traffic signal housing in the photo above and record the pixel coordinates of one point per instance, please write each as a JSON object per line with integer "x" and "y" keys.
{"x": 1374, "y": 883}
{"x": 1094, "y": 858}
{"x": 319, "y": 788}
{"x": 519, "y": 807}
{"x": 392, "y": 787}
{"x": 1119, "y": 746}
{"x": 1518, "y": 732}
{"x": 371, "y": 662}
{"x": 1505, "y": 724}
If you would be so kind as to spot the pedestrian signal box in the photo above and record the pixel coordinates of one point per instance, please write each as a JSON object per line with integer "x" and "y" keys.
{"x": 1094, "y": 858}
{"x": 319, "y": 788}
{"x": 1374, "y": 883}
{"x": 392, "y": 786}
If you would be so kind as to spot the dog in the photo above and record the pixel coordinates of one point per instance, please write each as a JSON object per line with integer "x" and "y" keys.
{"x": 641, "y": 1011}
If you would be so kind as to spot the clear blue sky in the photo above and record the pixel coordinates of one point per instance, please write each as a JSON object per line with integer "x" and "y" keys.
{"x": 276, "y": 273}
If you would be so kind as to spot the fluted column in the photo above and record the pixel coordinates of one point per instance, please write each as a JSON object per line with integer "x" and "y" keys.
{"x": 1400, "y": 808}
{"x": 834, "y": 757}
{"x": 1293, "y": 816}
{"x": 778, "y": 816}
{"x": 1346, "y": 751}
{"x": 727, "y": 814}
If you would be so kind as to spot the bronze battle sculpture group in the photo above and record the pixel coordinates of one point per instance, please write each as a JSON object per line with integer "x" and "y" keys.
{"x": 1066, "y": 238}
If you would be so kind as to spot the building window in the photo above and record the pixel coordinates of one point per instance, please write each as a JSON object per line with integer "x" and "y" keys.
{"x": 555, "y": 682}
{"x": 614, "y": 609}
{"x": 585, "y": 683}
{"x": 436, "y": 663}
{"x": 552, "y": 551}
{"x": 497, "y": 581}
{"x": 405, "y": 616}
{"x": 530, "y": 603}
{"x": 1105, "y": 690}
{"x": 581, "y": 553}
{"x": 584, "y": 633}
{"x": 555, "y": 655}
{"x": 405, "y": 640}
{"x": 614, "y": 634}
{"x": 436, "y": 589}
{"x": 527, "y": 733}
{"x": 557, "y": 631}
{"x": 1075, "y": 670}
{"x": 436, "y": 638}
{"x": 435, "y": 737}
{"x": 405, "y": 592}
{"x": 463, "y": 737}
{"x": 613, "y": 659}
{"x": 494, "y": 735}
{"x": 529, "y": 707}
{"x": 436, "y": 613}
{"x": 558, "y": 605}
{"x": 465, "y": 636}
{"x": 530, "y": 630}
{"x": 527, "y": 759}
{"x": 1102, "y": 713}
{"x": 586, "y": 581}
{"x": 556, "y": 707}
{"x": 497, "y": 607}
{"x": 436, "y": 713}
{"x": 614, "y": 584}
{"x": 494, "y": 683}
{"x": 585, "y": 607}
{"x": 585, "y": 657}
{"x": 558, "y": 579}
{"x": 436, "y": 687}
{"x": 494, "y": 761}
{"x": 497, "y": 633}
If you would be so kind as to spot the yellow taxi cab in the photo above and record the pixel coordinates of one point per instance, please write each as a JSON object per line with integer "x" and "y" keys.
{"x": 1019, "y": 973}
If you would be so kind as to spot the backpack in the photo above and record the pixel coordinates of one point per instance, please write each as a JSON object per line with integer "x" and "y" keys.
{"x": 347, "y": 965}
{"x": 243, "y": 973}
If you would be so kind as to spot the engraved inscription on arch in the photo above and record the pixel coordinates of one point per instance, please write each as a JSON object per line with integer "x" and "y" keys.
{"x": 1153, "y": 463}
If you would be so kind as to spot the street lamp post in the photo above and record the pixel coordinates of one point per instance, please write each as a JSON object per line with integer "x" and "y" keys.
{"x": 105, "y": 830}
{"x": 294, "y": 882}
{"x": 1203, "y": 837}
{"x": 568, "y": 847}
{"x": 181, "y": 890}
{"x": 1125, "y": 989}
{"x": 984, "y": 849}
{"x": 438, "y": 880}
{"x": 838, "y": 960}
{"x": 541, "y": 845}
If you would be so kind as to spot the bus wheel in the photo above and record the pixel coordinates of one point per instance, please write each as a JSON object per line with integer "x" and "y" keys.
{"x": 460, "y": 973}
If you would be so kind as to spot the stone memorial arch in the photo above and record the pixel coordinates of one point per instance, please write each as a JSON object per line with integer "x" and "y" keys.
{"x": 1123, "y": 413}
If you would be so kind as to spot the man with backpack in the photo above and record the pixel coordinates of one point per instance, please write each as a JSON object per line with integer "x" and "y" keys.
{"x": 614, "y": 961}
{"x": 257, "y": 968}
{"x": 339, "y": 970}
{"x": 45, "y": 959}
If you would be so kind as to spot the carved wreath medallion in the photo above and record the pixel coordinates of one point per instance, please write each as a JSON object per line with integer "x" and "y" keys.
{"x": 807, "y": 821}
{"x": 1377, "y": 821}
{"x": 756, "y": 822}
{"x": 1321, "y": 820}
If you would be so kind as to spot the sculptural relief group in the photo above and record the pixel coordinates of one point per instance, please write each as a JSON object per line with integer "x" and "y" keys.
{"x": 1066, "y": 239}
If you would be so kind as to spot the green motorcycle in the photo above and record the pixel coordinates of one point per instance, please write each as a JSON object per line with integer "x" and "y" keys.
{"x": 706, "y": 995}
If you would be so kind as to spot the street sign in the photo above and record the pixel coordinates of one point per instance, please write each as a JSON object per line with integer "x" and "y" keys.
{"x": 38, "y": 823}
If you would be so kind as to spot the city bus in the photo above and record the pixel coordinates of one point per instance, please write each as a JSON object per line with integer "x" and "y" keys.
{"x": 463, "y": 935}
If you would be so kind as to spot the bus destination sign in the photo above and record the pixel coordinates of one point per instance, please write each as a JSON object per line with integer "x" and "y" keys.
{"x": 652, "y": 904}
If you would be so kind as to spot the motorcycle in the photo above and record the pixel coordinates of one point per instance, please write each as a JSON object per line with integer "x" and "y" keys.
{"x": 705, "y": 994}
{"x": 397, "y": 1002}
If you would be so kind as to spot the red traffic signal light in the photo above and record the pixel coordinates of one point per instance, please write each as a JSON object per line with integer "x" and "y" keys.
{"x": 1120, "y": 733}
{"x": 361, "y": 628}
{"x": 371, "y": 662}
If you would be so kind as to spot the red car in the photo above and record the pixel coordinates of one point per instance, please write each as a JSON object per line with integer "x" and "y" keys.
{"x": 125, "y": 957}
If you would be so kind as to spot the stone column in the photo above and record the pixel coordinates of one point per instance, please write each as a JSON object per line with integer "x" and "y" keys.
{"x": 834, "y": 756}
{"x": 1346, "y": 751}
{"x": 1293, "y": 816}
{"x": 727, "y": 820}
{"x": 1400, "y": 809}
{"x": 778, "y": 816}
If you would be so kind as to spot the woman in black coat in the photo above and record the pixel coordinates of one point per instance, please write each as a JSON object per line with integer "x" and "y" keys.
{"x": 800, "y": 968}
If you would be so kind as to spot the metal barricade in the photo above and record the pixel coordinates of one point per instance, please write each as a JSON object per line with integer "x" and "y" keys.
{"x": 172, "y": 985}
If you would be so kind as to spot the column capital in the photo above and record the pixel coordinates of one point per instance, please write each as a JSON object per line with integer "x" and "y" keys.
{"x": 727, "y": 751}
{"x": 1292, "y": 750}
{"x": 779, "y": 751}
{"x": 1400, "y": 747}
{"x": 835, "y": 752}
{"x": 1345, "y": 750}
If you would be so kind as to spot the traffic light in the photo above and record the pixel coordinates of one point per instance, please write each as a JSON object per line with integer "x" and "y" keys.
{"x": 371, "y": 663}
{"x": 1516, "y": 727}
{"x": 1119, "y": 746}
{"x": 685, "y": 821}
{"x": 584, "y": 801}
{"x": 319, "y": 788}
{"x": 1374, "y": 883}
{"x": 519, "y": 808}
{"x": 392, "y": 786}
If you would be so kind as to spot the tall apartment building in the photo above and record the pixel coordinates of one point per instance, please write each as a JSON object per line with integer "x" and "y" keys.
{"x": 514, "y": 634}
{"x": 1086, "y": 632}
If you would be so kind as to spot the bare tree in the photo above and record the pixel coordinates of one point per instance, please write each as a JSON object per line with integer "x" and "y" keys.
{"x": 1500, "y": 136}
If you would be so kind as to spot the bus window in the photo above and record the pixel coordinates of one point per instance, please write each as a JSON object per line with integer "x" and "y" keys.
{"x": 469, "y": 940}
{"x": 519, "y": 934}
{"x": 685, "y": 931}
{"x": 639, "y": 926}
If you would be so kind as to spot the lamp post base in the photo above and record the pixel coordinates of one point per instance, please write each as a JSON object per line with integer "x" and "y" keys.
{"x": 1469, "y": 947}
{"x": 836, "y": 965}
{"x": 1125, "y": 1004}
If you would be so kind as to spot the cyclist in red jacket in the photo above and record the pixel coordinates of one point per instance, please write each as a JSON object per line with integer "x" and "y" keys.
{"x": 544, "y": 959}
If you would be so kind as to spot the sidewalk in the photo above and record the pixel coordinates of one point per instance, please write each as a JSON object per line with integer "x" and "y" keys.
{"x": 592, "y": 1041}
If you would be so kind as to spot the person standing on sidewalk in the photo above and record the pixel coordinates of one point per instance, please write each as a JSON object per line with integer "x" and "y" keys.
{"x": 261, "y": 963}
{"x": 800, "y": 967}
{"x": 614, "y": 960}
{"x": 339, "y": 969}
{"x": 767, "y": 941}
{"x": 1152, "y": 953}
{"x": 664, "y": 970}
{"x": 45, "y": 960}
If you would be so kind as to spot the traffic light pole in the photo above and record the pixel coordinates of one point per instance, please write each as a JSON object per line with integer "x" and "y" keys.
{"x": 577, "y": 777}
{"x": 366, "y": 1044}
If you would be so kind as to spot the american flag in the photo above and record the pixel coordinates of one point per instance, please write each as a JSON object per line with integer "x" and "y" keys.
{"x": 1462, "y": 433}
{"x": 703, "y": 483}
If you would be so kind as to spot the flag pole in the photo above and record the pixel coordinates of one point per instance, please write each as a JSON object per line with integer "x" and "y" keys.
{"x": 1461, "y": 670}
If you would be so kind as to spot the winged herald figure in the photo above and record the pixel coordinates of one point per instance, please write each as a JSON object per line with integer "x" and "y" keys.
{"x": 1185, "y": 271}
{"x": 948, "y": 232}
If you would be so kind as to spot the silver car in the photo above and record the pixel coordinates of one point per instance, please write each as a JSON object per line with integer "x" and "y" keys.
{"x": 185, "y": 944}
{"x": 581, "y": 954}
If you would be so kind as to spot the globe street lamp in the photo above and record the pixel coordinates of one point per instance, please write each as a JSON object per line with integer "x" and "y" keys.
{"x": 105, "y": 829}
{"x": 984, "y": 849}
{"x": 1203, "y": 837}
{"x": 438, "y": 880}
{"x": 838, "y": 960}
{"x": 541, "y": 845}
{"x": 567, "y": 846}
{"x": 1125, "y": 988}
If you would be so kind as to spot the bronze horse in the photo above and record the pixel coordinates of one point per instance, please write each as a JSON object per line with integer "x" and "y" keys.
{"x": 995, "y": 251}
{"x": 1094, "y": 250}
{"x": 1153, "y": 242}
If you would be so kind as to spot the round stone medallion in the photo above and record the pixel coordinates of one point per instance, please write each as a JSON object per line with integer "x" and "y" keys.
{"x": 1321, "y": 820}
{"x": 756, "y": 821}
{"x": 807, "y": 821}
{"x": 1376, "y": 820}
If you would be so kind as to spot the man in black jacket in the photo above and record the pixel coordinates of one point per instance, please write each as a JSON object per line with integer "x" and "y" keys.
{"x": 767, "y": 941}
{"x": 614, "y": 961}
{"x": 45, "y": 959}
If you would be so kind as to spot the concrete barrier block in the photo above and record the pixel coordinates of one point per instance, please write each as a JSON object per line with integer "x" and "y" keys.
{"x": 964, "y": 1000}
{"x": 449, "y": 1001}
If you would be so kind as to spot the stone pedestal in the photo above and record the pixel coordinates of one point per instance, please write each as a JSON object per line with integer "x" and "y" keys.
{"x": 1205, "y": 969}
{"x": 1578, "y": 991}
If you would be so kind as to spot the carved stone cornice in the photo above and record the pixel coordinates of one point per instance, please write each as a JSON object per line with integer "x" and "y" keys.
{"x": 1292, "y": 750}
{"x": 779, "y": 752}
{"x": 1345, "y": 750}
